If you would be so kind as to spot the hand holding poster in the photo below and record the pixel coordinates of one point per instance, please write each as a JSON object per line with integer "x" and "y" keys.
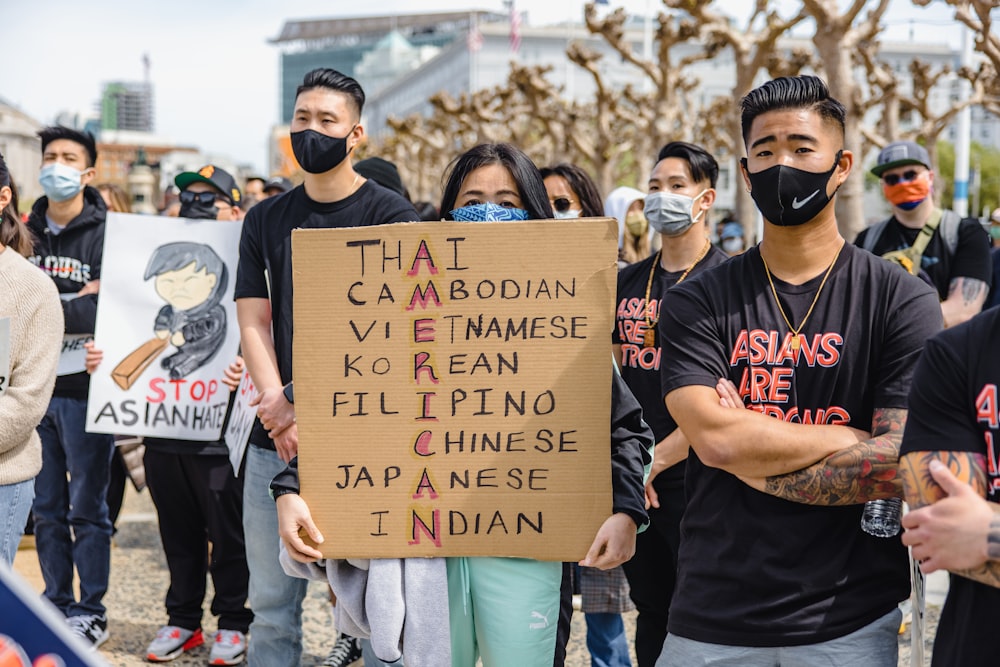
{"x": 166, "y": 323}
{"x": 452, "y": 386}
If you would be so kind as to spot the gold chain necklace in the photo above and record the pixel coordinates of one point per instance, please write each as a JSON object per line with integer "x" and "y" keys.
{"x": 797, "y": 337}
{"x": 649, "y": 337}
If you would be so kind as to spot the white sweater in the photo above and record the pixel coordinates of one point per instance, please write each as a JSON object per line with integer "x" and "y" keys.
{"x": 30, "y": 300}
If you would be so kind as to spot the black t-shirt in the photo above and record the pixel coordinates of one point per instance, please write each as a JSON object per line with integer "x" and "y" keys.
{"x": 754, "y": 569}
{"x": 641, "y": 365}
{"x": 953, "y": 407}
{"x": 266, "y": 246}
{"x": 938, "y": 266}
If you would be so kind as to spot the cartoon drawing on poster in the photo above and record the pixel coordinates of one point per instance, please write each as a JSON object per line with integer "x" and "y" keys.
{"x": 163, "y": 322}
{"x": 191, "y": 278}
{"x": 4, "y": 353}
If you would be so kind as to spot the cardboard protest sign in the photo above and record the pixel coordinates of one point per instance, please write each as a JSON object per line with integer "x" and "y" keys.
{"x": 4, "y": 353}
{"x": 452, "y": 386}
{"x": 241, "y": 422}
{"x": 166, "y": 323}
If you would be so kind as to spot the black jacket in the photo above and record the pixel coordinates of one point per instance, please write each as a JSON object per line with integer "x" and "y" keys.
{"x": 72, "y": 259}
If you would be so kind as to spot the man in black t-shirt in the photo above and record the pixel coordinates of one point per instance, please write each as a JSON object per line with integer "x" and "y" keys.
{"x": 956, "y": 259}
{"x": 326, "y": 127}
{"x": 955, "y": 519}
{"x": 681, "y": 193}
{"x": 818, "y": 340}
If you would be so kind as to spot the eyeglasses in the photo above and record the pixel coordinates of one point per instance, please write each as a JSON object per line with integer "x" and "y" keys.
{"x": 562, "y": 204}
{"x": 906, "y": 177}
{"x": 206, "y": 198}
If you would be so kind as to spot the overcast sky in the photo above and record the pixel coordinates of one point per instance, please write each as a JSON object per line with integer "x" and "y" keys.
{"x": 215, "y": 75}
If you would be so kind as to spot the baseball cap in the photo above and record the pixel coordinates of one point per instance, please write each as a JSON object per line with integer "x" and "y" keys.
{"x": 900, "y": 153}
{"x": 278, "y": 183}
{"x": 382, "y": 172}
{"x": 731, "y": 230}
{"x": 216, "y": 177}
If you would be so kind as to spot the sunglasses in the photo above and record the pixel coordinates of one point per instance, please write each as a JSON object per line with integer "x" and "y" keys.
{"x": 206, "y": 198}
{"x": 562, "y": 204}
{"x": 906, "y": 177}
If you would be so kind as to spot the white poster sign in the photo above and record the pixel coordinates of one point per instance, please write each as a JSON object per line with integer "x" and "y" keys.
{"x": 4, "y": 353}
{"x": 166, "y": 322}
{"x": 73, "y": 357}
{"x": 241, "y": 422}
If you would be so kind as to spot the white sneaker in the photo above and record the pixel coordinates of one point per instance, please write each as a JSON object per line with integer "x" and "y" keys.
{"x": 92, "y": 628}
{"x": 228, "y": 648}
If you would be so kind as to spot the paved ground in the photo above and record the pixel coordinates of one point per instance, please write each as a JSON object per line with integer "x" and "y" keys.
{"x": 139, "y": 582}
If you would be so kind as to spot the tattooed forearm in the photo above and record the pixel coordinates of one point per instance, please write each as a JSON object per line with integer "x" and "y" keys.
{"x": 919, "y": 486}
{"x": 973, "y": 291}
{"x": 863, "y": 472}
{"x": 989, "y": 572}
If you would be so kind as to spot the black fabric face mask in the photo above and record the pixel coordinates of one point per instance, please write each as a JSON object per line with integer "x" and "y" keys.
{"x": 787, "y": 196}
{"x": 318, "y": 153}
{"x": 198, "y": 211}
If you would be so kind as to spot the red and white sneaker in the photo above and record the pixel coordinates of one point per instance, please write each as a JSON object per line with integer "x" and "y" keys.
{"x": 171, "y": 641}
{"x": 228, "y": 648}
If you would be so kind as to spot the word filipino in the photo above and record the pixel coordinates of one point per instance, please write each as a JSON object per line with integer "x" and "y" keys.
{"x": 766, "y": 382}
{"x": 448, "y": 377}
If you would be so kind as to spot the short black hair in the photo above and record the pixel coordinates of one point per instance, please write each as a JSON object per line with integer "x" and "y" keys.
{"x": 582, "y": 185}
{"x": 85, "y": 139}
{"x": 530, "y": 187}
{"x": 177, "y": 255}
{"x": 324, "y": 77}
{"x": 701, "y": 164}
{"x": 791, "y": 92}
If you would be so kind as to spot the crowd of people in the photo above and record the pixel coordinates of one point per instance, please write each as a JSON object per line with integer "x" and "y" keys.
{"x": 764, "y": 400}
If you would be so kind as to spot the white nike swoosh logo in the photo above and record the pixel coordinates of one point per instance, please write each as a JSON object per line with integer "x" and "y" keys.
{"x": 796, "y": 204}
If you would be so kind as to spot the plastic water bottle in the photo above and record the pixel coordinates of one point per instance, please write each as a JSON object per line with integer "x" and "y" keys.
{"x": 881, "y": 517}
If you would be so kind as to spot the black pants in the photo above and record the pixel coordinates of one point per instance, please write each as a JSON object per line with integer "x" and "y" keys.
{"x": 652, "y": 572}
{"x": 199, "y": 500}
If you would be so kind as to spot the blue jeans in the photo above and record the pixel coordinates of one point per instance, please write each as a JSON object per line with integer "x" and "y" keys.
{"x": 276, "y": 598}
{"x": 71, "y": 516}
{"x": 874, "y": 645}
{"x": 15, "y": 503}
{"x": 606, "y": 640}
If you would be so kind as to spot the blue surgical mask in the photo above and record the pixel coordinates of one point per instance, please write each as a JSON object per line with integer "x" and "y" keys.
{"x": 59, "y": 181}
{"x": 670, "y": 213}
{"x": 488, "y": 212}
{"x": 571, "y": 214}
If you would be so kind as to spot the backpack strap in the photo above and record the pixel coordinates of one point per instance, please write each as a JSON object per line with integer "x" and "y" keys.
{"x": 874, "y": 234}
{"x": 950, "y": 222}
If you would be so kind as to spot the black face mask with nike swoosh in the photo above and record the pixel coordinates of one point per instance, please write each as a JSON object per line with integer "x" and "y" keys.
{"x": 787, "y": 196}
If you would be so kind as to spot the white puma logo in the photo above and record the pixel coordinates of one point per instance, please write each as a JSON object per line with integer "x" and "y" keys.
{"x": 796, "y": 204}
{"x": 538, "y": 625}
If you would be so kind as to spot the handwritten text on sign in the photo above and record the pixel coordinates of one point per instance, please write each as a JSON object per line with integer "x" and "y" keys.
{"x": 453, "y": 386}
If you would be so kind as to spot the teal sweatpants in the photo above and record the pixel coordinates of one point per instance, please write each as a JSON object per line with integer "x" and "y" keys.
{"x": 504, "y": 610}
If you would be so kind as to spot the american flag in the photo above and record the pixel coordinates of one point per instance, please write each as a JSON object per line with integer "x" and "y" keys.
{"x": 515, "y": 28}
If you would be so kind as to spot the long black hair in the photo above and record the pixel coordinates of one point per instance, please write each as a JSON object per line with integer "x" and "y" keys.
{"x": 582, "y": 185}
{"x": 530, "y": 186}
{"x": 13, "y": 234}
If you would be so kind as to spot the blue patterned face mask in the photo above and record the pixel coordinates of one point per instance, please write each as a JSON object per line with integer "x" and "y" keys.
{"x": 488, "y": 212}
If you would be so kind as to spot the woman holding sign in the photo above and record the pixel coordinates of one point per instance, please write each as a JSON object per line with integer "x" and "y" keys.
{"x": 504, "y": 610}
{"x": 31, "y": 326}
